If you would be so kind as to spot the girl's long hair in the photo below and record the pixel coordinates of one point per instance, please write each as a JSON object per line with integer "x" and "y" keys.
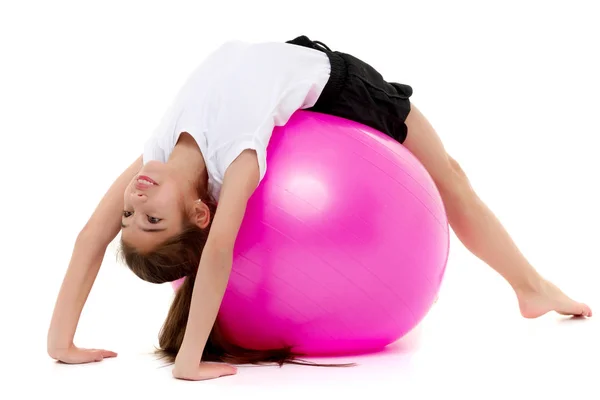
{"x": 179, "y": 257}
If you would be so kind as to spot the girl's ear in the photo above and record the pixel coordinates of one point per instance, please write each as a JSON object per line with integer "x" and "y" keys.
{"x": 200, "y": 214}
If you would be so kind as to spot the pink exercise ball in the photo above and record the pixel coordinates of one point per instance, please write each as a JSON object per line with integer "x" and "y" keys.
{"x": 344, "y": 244}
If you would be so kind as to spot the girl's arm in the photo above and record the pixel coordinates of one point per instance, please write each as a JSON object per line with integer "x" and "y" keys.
{"x": 240, "y": 181}
{"x": 88, "y": 253}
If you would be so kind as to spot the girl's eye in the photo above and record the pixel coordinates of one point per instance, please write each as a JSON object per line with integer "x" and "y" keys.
{"x": 127, "y": 214}
{"x": 153, "y": 220}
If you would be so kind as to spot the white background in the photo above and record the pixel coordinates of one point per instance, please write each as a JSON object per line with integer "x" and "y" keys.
{"x": 511, "y": 87}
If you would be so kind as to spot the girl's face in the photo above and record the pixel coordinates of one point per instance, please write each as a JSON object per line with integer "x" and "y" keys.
{"x": 154, "y": 206}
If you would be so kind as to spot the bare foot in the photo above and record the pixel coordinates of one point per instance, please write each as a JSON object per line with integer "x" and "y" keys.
{"x": 547, "y": 297}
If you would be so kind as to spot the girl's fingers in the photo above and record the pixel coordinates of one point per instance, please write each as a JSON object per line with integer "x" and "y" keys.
{"x": 108, "y": 354}
{"x": 104, "y": 353}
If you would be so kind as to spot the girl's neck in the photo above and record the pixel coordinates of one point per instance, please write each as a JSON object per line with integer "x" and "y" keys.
{"x": 187, "y": 161}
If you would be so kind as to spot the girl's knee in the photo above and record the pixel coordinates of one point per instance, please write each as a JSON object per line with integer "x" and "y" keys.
{"x": 456, "y": 168}
{"x": 455, "y": 180}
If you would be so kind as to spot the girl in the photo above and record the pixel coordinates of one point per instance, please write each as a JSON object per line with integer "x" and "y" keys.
{"x": 211, "y": 145}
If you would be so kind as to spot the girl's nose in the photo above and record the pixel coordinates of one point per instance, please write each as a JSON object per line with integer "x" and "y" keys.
{"x": 139, "y": 197}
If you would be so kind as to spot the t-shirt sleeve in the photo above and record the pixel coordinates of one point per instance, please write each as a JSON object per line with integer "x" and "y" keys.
{"x": 252, "y": 127}
{"x": 228, "y": 152}
{"x": 154, "y": 147}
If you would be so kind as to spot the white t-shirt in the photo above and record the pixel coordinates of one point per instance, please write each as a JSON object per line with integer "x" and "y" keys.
{"x": 233, "y": 100}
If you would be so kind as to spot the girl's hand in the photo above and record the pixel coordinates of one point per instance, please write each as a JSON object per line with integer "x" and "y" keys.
{"x": 75, "y": 355}
{"x": 203, "y": 371}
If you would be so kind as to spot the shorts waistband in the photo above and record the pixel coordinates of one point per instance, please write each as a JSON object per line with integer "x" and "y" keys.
{"x": 337, "y": 76}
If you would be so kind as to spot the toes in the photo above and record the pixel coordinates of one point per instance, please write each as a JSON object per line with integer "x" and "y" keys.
{"x": 587, "y": 311}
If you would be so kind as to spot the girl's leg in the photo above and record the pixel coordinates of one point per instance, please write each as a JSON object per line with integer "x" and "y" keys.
{"x": 478, "y": 228}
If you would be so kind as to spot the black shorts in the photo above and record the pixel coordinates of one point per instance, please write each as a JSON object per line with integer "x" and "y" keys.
{"x": 356, "y": 91}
